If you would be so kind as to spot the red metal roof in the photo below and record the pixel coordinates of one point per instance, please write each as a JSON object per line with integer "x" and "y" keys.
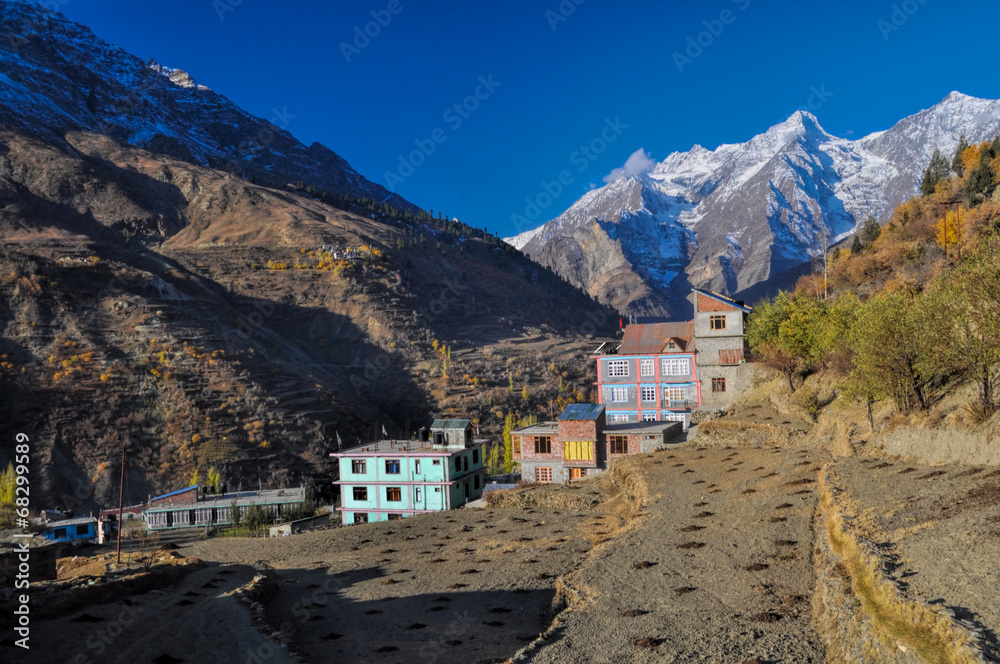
{"x": 650, "y": 338}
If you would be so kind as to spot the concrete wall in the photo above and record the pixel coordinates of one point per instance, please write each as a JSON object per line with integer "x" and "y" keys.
{"x": 739, "y": 377}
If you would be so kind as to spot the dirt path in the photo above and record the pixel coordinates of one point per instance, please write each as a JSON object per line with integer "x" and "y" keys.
{"x": 717, "y": 570}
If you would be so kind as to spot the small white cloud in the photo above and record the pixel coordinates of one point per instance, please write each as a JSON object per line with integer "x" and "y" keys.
{"x": 639, "y": 162}
{"x": 849, "y": 132}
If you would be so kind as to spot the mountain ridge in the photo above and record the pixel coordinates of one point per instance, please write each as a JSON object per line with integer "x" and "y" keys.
{"x": 57, "y": 76}
{"x": 732, "y": 218}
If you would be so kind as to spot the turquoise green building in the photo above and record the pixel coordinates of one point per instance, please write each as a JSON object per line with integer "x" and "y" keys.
{"x": 392, "y": 479}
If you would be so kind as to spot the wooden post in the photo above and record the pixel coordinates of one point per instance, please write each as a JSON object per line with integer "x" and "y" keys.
{"x": 121, "y": 495}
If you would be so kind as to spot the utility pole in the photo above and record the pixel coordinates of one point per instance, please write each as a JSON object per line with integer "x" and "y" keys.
{"x": 121, "y": 495}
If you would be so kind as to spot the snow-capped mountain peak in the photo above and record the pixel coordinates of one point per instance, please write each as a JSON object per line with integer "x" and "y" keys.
{"x": 742, "y": 215}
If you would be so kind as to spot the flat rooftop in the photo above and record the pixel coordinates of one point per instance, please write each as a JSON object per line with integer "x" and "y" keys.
{"x": 405, "y": 447}
{"x": 267, "y": 496}
{"x": 540, "y": 429}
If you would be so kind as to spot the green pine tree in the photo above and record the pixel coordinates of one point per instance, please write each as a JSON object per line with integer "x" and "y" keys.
{"x": 979, "y": 181}
{"x": 956, "y": 161}
{"x": 856, "y": 246}
{"x": 870, "y": 232}
{"x": 936, "y": 171}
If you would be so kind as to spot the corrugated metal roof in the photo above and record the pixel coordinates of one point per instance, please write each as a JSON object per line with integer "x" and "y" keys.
{"x": 582, "y": 411}
{"x": 174, "y": 493}
{"x": 439, "y": 425}
{"x": 78, "y": 521}
{"x": 608, "y": 348}
{"x": 650, "y": 338}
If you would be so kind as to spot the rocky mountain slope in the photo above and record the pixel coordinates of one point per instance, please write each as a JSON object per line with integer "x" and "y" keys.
{"x": 742, "y": 215}
{"x": 217, "y": 317}
{"x": 57, "y": 76}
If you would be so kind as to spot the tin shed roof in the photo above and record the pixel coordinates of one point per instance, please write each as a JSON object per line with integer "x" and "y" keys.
{"x": 651, "y": 338}
{"x": 439, "y": 425}
{"x": 582, "y": 411}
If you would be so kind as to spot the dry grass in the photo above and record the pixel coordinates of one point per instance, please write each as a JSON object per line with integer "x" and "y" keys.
{"x": 931, "y": 635}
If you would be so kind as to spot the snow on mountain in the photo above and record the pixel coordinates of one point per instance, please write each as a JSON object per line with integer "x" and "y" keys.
{"x": 56, "y": 76}
{"x": 177, "y": 76}
{"x": 735, "y": 218}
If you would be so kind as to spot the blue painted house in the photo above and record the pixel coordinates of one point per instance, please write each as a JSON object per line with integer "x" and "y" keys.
{"x": 81, "y": 529}
{"x": 392, "y": 479}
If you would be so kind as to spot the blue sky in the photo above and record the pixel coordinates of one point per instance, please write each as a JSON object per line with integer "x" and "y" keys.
{"x": 535, "y": 81}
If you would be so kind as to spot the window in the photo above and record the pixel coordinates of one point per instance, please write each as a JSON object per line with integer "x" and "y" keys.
{"x": 619, "y": 444}
{"x": 717, "y": 322}
{"x": 619, "y": 394}
{"x": 465, "y": 463}
{"x": 577, "y": 473}
{"x": 360, "y": 493}
{"x": 649, "y": 417}
{"x": 618, "y": 368}
{"x": 83, "y": 530}
{"x": 436, "y": 462}
{"x": 675, "y": 395}
{"x": 619, "y": 417}
{"x": 718, "y": 384}
{"x": 646, "y": 367}
{"x": 392, "y": 466}
{"x": 649, "y": 394}
{"x": 458, "y": 464}
{"x": 360, "y": 517}
{"x": 475, "y": 456}
{"x": 578, "y": 450}
{"x": 676, "y": 366}
{"x": 416, "y": 466}
{"x": 543, "y": 444}
{"x": 60, "y": 533}
{"x": 394, "y": 517}
{"x": 543, "y": 474}
{"x": 418, "y": 494}
{"x": 516, "y": 441}
{"x": 358, "y": 466}
{"x": 475, "y": 482}
{"x": 671, "y": 345}
{"x": 393, "y": 494}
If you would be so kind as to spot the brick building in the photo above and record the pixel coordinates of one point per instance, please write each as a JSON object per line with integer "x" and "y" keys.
{"x": 665, "y": 371}
{"x": 581, "y": 442}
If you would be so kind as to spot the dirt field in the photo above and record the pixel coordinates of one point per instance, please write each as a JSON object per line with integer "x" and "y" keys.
{"x": 940, "y": 524}
{"x": 694, "y": 554}
{"x": 717, "y": 569}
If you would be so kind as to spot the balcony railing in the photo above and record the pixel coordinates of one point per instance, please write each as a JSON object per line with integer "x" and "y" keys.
{"x": 679, "y": 404}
